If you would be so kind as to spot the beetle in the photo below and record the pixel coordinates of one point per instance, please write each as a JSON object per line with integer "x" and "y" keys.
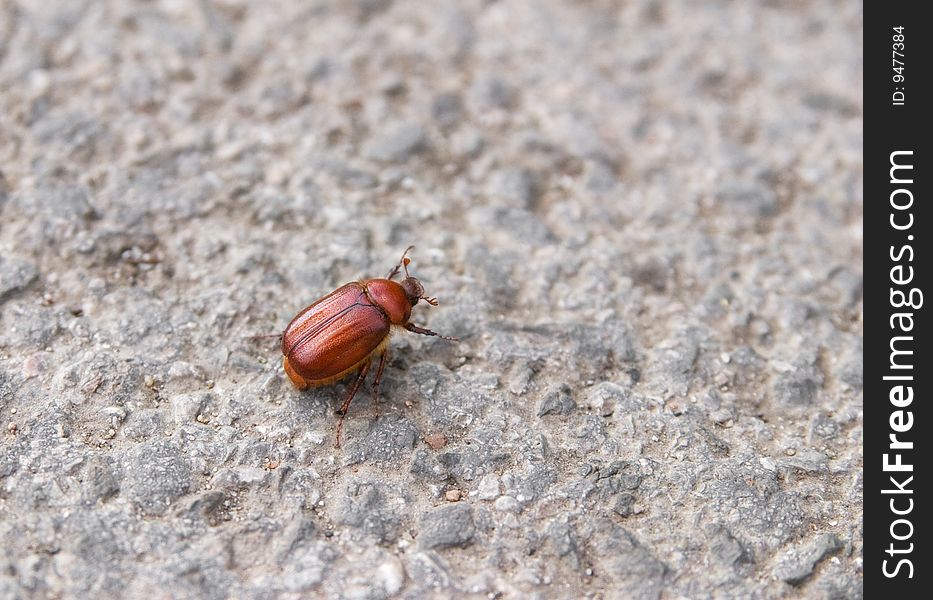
{"x": 349, "y": 328}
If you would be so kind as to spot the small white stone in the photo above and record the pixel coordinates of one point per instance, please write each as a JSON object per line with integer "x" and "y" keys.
{"x": 391, "y": 575}
{"x": 488, "y": 487}
{"x": 508, "y": 504}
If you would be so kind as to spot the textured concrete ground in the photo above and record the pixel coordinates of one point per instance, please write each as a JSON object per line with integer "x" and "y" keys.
{"x": 643, "y": 220}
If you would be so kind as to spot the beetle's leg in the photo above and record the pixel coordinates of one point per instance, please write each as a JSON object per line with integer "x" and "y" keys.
{"x": 379, "y": 369}
{"x": 415, "y": 329}
{"x": 346, "y": 403}
{"x": 401, "y": 262}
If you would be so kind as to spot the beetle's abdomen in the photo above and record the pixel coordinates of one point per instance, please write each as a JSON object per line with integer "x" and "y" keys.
{"x": 334, "y": 334}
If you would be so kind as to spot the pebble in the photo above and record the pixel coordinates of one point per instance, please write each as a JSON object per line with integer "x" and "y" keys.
{"x": 797, "y": 564}
{"x": 447, "y": 527}
{"x": 507, "y": 504}
{"x": 488, "y": 487}
{"x": 398, "y": 144}
{"x": 435, "y": 440}
{"x": 15, "y": 276}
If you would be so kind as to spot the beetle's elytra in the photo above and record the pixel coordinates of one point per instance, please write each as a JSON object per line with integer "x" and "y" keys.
{"x": 343, "y": 332}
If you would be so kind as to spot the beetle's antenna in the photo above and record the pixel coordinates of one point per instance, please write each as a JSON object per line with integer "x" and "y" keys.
{"x": 402, "y": 261}
{"x": 431, "y": 301}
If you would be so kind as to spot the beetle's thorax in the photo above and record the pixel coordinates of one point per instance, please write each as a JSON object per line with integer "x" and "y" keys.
{"x": 392, "y": 297}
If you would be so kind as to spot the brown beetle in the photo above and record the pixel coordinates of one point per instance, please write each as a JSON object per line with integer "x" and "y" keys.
{"x": 345, "y": 330}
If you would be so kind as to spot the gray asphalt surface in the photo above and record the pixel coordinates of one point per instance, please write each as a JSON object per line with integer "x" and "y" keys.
{"x": 643, "y": 220}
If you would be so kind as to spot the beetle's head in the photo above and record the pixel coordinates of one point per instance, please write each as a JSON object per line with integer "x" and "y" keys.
{"x": 415, "y": 291}
{"x": 413, "y": 288}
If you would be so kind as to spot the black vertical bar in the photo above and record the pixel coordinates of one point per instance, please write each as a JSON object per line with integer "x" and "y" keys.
{"x": 897, "y": 272}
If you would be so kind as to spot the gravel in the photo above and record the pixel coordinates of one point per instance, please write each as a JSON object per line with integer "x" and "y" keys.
{"x": 642, "y": 220}
{"x": 447, "y": 527}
